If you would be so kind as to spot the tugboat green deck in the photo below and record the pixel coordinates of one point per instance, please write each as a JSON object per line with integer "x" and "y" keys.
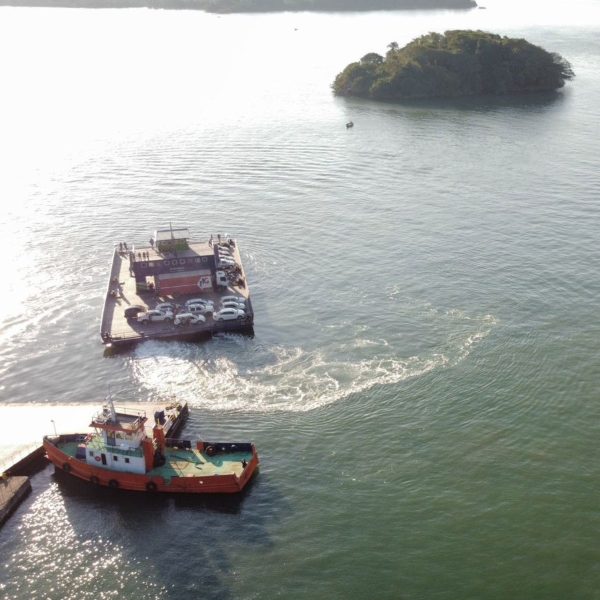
{"x": 182, "y": 462}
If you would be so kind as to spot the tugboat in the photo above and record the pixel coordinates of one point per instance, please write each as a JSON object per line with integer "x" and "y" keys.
{"x": 120, "y": 455}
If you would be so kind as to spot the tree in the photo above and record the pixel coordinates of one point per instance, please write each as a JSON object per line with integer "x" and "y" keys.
{"x": 372, "y": 58}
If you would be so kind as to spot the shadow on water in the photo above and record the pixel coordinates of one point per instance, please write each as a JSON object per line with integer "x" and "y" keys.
{"x": 525, "y": 102}
{"x": 191, "y": 544}
{"x": 129, "y": 501}
{"x": 193, "y": 338}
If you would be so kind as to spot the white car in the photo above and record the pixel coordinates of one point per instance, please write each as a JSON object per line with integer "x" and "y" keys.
{"x": 189, "y": 319}
{"x": 221, "y": 279}
{"x": 226, "y": 264}
{"x": 199, "y": 301}
{"x": 238, "y": 299}
{"x": 230, "y": 304}
{"x": 165, "y": 307}
{"x": 227, "y": 314}
{"x": 154, "y": 315}
{"x": 200, "y": 309}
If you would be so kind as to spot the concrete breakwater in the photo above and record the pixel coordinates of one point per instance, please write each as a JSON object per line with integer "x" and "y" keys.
{"x": 13, "y": 490}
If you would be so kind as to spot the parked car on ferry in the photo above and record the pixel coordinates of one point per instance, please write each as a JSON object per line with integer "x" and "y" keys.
{"x": 199, "y": 301}
{"x": 230, "y": 304}
{"x": 227, "y": 314}
{"x": 188, "y": 318}
{"x": 165, "y": 307}
{"x": 154, "y": 315}
{"x": 226, "y": 260}
{"x": 238, "y": 299}
{"x": 221, "y": 279}
{"x": 134, "y": 310}
{"x": 200, "y": 309}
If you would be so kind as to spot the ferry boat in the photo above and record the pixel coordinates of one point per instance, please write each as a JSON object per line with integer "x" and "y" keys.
{"x": 167, "y": 275}
{"x": 120, "y": 454}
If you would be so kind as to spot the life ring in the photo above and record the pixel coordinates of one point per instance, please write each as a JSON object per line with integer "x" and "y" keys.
{"x": 210, "y": 450}
{"x": 151, "y": 486}
{"x": 97, "y": 458}
{"x": 94, "y": 480}
{"x": 113, "y": 483}
{"x": 66, "y": 467}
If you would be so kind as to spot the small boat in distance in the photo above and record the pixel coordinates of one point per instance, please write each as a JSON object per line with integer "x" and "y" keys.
{"x": 120, "y": 455}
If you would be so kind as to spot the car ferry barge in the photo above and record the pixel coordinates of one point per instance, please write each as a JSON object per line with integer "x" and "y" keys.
{"x": 173, "y": 287}
{"x": 120, "y": 455}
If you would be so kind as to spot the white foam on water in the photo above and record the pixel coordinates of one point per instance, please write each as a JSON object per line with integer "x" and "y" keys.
{"x": 234, "y": 372}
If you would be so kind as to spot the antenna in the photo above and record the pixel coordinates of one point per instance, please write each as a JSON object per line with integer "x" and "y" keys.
{"x": 113, "y": 412}
{"x": 111, "y": 405}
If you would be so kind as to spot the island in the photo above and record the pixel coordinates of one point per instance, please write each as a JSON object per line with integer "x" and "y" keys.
{"x": 456, "y": 63}
{"x": 255, "y": 6}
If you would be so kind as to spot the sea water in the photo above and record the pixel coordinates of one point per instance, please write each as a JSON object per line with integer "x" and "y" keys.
{"x": 422, "y": 383}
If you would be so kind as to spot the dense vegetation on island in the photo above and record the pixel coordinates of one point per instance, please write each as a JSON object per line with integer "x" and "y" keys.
{"x": 246, "y": 6}
{"x": 457, "y": 63}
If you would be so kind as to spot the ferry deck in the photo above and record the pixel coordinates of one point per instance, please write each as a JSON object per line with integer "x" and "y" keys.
{"x": 172, "y": 269}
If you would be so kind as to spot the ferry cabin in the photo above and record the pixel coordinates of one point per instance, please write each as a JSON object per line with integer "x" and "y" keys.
{"x": 174, "y": 266}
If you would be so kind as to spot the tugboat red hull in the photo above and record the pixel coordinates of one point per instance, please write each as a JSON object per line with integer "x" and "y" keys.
{"x": 155, "y": 481}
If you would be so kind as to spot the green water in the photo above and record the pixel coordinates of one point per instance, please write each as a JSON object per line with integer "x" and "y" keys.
{"x": 422, "y": 385}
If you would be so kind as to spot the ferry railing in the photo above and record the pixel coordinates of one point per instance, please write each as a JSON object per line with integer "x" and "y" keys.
{"x": 106, "y": 310}
{"x": 130, "y": 411}
{"x": 104, "y": 414}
